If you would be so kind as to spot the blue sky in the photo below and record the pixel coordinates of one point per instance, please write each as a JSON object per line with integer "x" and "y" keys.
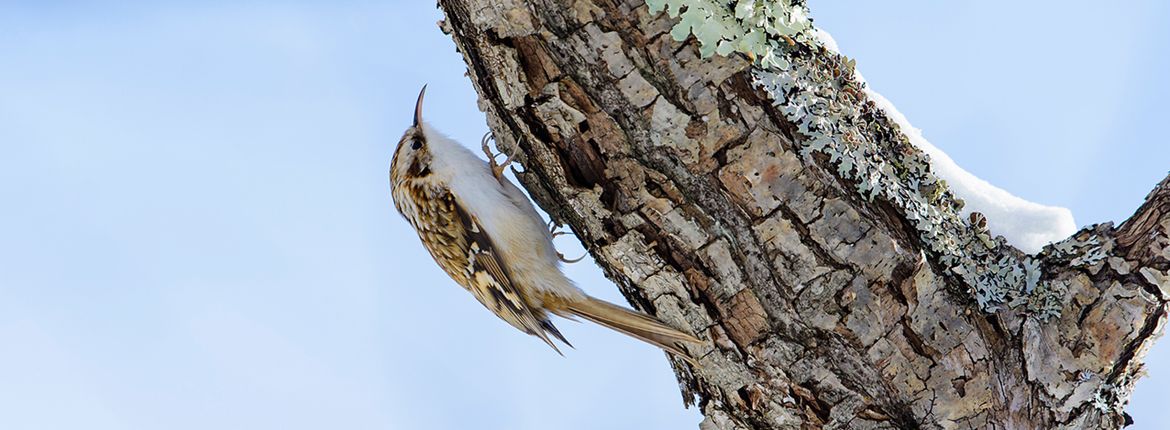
{"x": 197, "y": 229}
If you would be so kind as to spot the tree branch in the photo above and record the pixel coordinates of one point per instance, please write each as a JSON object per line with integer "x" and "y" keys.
{"x": 785, "y": 218}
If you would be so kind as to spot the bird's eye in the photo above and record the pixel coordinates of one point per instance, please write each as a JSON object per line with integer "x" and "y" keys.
{"x": 416, "y": 144}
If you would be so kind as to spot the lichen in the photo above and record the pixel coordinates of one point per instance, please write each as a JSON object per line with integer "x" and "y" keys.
{"x": 757, "y": 28}
{"x": 816, "y": 89}
{"x": 1077, "y": 251}
{"x": 1112, "y": 397}
{"x": 1047, "y": 301}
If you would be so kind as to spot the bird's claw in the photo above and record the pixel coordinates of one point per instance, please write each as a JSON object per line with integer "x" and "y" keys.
{"x": 497, "y": 168}
{"x": 571, "y": 260}
{"x": 555, "y": 230}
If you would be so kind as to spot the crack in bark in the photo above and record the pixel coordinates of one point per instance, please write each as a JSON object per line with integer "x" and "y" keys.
{"x": 550, "y": 84}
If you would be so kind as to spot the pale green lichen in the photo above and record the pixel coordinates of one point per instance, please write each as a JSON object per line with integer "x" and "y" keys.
{"x": 757, "y": 28}
{"x": 1112, "y": 397}
{"x": 1084, "y": 253}
{"x": 1047, "y": 301}
{"x": 817, "y": 90}
{"x": 813, "y": 97}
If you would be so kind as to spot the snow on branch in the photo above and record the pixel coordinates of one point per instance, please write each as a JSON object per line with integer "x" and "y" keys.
{"x": 1026, "y": 225}
{"x": 870, "y": 144}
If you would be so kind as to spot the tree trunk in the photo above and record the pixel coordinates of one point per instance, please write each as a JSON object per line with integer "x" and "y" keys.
{"x": 784, "y": 218}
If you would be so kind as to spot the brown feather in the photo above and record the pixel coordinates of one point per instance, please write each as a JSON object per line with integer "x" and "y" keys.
{"x": 638, "y": 325}
{"x": 460, "y": 246}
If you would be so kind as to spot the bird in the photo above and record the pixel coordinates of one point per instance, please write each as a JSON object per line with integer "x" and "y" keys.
{"x": 488, "y": 237}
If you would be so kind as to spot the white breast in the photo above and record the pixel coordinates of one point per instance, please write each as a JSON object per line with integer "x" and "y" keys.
{"x": 516, "y": 229}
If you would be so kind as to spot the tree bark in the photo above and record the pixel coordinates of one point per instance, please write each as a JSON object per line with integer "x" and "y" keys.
{"x": 828, "y": 295}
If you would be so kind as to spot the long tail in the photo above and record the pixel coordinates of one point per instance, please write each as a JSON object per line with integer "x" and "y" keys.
{"x": 635, "y": 324}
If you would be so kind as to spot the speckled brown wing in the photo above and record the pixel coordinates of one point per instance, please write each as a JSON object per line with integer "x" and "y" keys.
{"x": 464, "y": 250}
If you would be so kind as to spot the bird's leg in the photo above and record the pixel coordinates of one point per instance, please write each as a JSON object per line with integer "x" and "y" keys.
{"x": 555, "y": 230}
{"x": 497, "y": 168}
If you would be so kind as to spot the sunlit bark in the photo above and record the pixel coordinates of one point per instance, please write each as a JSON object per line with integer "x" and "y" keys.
{"x": 819, "y": 306}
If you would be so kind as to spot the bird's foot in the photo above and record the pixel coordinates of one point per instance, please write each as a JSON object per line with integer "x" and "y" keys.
{"x": 571, "y": 260}
{"x": 497, "y": 168}
{"x": 555, "y": 230}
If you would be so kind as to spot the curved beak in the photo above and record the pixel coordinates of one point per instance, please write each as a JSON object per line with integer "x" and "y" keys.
{"x": 418, "y": 106}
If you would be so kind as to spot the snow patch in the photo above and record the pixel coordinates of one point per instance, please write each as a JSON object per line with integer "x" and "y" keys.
{"x": 1026, "y": 225}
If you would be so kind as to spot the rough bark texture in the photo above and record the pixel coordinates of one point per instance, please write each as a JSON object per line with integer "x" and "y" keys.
{"x": 819, "y": 307}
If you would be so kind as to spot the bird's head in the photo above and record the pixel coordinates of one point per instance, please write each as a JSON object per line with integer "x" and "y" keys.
{"x": 412, "y": 158}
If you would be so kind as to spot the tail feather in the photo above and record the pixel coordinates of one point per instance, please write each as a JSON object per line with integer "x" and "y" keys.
{"x": 543, "y": 335}
{"x": 635, "y": 324}
{"x": 552, "y": 329}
